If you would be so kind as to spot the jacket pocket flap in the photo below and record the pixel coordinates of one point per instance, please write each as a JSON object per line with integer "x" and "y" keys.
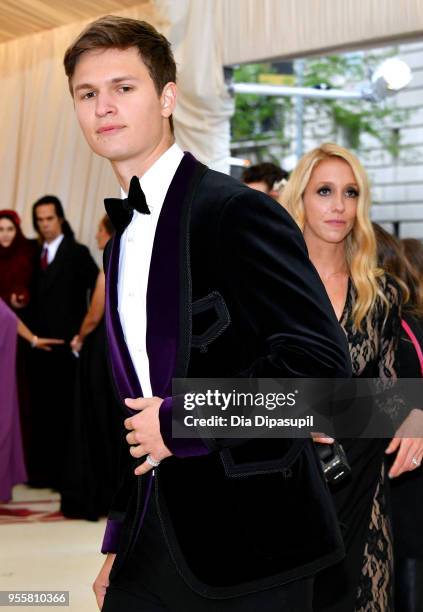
{"x": 210, "y": 318}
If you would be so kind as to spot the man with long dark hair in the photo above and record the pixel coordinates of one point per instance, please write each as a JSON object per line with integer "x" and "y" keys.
{"x": 64, "y": 277}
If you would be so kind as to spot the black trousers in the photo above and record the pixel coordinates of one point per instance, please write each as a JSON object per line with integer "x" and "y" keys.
{"x": 150, "y": 582}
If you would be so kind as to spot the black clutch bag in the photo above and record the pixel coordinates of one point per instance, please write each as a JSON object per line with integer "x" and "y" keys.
{"x": 334, "y": 462}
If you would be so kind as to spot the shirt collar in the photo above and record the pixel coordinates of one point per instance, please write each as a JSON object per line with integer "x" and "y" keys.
{"x": 54, "y": 244}
{"x": 156, "y": 181}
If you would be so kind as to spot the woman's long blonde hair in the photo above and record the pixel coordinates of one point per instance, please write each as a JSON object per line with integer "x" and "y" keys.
{"x": 360, "y": 244}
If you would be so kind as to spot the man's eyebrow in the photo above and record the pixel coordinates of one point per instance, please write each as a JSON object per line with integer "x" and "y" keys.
{"x": 127, "y": 77}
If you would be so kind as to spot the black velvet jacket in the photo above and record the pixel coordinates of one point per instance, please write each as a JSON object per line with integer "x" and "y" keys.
{"x": 230, "y": 269}
{"x": 61, "y": 293}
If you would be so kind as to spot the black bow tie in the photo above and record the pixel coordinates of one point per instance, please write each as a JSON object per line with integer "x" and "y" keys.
{"x": 121, "y": 211}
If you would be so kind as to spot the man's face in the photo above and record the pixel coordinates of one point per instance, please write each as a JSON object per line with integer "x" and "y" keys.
{"x": 48, "y": 223}
{"x": 117, "y": 106}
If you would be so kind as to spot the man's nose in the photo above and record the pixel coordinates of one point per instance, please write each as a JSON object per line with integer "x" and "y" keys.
{"x": 104, "y": 105}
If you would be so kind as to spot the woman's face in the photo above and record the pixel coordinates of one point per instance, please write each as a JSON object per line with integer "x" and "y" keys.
{"x": 102, "y": 236}
{"x": 330, "y": 201}
{"x": 7, "y": 232}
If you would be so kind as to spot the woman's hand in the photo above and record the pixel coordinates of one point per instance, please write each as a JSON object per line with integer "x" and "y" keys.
{"x": 408, "y": 442}
{"x": 45, "y": 344}
{"x": 321, "y": 438}
{"x": 18, "y": 301}
{"x": 76, "y": 344}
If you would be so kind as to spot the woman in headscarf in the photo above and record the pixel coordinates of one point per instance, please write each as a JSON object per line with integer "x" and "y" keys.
{"x": 16, "y": 261}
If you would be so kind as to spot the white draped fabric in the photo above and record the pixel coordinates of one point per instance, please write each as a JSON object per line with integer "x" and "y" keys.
{"x": 41, "y": 148}
{"x": 255, "y": 30}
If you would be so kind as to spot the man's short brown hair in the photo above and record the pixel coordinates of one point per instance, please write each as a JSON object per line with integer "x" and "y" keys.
{"x": 113, "y": 32}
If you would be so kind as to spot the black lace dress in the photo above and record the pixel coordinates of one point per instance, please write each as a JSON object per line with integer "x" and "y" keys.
{"x": 362, "y": 582}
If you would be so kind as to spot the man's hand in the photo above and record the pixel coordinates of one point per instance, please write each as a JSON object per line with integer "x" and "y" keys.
{"x": 102, "y": 581}
{"x": 145, "y": 437}
{"x": 408, "y": 441}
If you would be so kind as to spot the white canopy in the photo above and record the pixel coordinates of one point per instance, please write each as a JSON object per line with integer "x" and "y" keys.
{"x": 41, "y": 149}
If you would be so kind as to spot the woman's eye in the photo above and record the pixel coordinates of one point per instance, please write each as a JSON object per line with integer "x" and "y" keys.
{"x": 324, "y": 191}
{"x": 352, "y": 193}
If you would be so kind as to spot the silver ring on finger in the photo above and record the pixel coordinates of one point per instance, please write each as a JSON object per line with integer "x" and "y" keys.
{"x": 415, "y": 462}
{"x": 151, "y": 461}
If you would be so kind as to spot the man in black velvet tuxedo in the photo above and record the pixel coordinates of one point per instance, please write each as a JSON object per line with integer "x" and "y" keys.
{"x": 189, "y": 535}
{"x": 63, "y": 280}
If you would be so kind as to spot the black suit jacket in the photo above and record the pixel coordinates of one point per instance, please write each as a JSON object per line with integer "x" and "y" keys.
{"x": 248, "y": 303}
{"x": 61, "y": 293}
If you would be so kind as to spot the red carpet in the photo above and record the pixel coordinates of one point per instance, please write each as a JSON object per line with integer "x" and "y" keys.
{"x": 30, "y": 511}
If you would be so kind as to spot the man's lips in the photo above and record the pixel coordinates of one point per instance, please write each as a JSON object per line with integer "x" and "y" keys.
{"x": 109, "y": 128}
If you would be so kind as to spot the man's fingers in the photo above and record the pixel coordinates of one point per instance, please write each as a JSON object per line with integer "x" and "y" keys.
{"x": 143, "y": 469}
{"x": 134, "y": 437}
{"x": 137, "y": 403}
{"x": 138, "y": 451}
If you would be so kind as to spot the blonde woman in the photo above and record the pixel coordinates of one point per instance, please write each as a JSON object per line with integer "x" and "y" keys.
{"x": 328, "y": 195}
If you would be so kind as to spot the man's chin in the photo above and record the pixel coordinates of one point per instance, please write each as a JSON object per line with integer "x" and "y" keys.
{"x": 112, "y": 155}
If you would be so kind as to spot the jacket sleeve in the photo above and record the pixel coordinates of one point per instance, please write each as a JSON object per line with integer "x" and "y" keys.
{"x": 268, "y": 277}
{"x": 119, "y": 505}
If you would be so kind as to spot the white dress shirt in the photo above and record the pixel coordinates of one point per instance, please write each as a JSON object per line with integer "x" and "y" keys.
{"x": 136, "y": 246}
{"x": 52, "y": 248}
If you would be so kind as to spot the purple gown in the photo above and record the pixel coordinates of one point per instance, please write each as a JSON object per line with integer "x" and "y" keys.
{"x": 12, "y": 467}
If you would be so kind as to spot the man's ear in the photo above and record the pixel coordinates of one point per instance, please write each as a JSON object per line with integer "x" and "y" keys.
{"x": 168, "y": 99}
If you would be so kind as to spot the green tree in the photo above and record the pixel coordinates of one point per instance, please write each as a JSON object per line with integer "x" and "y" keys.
{"x": 257, "y": 117}
{"x": 354, "y": 117}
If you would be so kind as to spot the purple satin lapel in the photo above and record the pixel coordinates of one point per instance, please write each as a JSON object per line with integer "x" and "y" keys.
{"x": 164, "y": 286}
{"x": 124, "y": 374}
{"x": 168, "y": 315}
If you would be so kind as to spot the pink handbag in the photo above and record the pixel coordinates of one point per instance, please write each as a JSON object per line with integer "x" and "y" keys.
{"x": 415, "y": 342}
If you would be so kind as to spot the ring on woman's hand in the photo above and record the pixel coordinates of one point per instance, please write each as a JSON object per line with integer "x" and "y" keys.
{"x": 151, "y": 461}
{"x": 415, "y": 462}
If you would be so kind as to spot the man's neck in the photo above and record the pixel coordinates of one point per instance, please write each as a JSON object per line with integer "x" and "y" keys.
{"x": 53, "y": 239}
{"x": 125, "y": 170}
